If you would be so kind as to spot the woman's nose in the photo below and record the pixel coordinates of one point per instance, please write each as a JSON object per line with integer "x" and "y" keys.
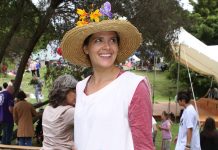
{"x": 106, "y": 45}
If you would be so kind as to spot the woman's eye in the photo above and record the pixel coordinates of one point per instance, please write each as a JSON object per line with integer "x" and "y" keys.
{"x": 114, "y": 40}
{"x": 98, "y": 40}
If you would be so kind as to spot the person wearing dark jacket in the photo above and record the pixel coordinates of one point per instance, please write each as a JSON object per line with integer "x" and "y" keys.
{"x": 209, "y": 135}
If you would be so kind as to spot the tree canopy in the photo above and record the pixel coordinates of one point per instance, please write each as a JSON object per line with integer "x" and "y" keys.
{"x": 156, "y": 20}
{"x": 205, "y": 15}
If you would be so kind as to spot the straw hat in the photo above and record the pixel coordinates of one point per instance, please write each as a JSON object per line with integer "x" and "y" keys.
{"x": 72, "y": 43}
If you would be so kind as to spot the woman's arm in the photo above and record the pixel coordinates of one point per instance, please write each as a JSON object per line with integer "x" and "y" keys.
{"x": 140, "y": 118}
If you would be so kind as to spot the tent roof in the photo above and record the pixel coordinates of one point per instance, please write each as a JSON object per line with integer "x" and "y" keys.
{"x": 199, "y": 57}
{"x": 135, "y": 58}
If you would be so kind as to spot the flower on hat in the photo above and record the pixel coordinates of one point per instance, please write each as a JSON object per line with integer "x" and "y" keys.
{"x": 83, "y": 14}
{"x": 94, "y": 15}
{"x": 59, "y": 51}
{"x": 81, "y": 23}
{"x": 106, "y": 10}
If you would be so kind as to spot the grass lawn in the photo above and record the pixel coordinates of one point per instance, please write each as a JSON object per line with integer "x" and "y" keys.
{"x": 27, "y": 76}
{"x": 163, "y": 89}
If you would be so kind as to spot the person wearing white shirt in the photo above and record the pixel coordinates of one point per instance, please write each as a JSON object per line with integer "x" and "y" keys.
{"x": 154, "y": 130}
{"x": 188, "y": 137}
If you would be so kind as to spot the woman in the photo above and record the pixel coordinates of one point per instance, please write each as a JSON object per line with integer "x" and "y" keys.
{"x": 209, "y": 135}
{"x": 57, "y": 119}
{"x": 113, "y": 108}
{"x": 23, "y": 117}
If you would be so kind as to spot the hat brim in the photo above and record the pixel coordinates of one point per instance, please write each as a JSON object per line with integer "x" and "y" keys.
{"x": 72, "y": 42}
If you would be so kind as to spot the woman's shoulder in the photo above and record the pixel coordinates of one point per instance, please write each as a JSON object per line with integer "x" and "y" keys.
{"x": 83, "y": 82}
{"x": 130, "y": 77}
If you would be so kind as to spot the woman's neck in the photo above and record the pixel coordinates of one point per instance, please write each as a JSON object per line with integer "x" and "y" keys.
{"x": 105, "y": 75}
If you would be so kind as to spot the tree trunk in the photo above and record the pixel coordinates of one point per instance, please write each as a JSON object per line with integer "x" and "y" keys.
{"x": 14, "y": 27}
{"x": 36, "y": 36}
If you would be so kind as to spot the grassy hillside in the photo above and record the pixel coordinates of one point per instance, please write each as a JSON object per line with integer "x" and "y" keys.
{"x": 163, "y": 87}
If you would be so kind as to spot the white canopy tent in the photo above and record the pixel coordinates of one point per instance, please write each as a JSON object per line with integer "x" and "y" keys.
{"x": 134, "y": 58}
{"x": 198, "y": 56}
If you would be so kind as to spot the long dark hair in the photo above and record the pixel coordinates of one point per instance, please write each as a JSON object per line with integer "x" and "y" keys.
{"x": 209, "y": 125}
{"x": 209, "y": 129}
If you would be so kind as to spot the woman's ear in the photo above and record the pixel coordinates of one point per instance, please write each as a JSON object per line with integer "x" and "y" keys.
{"x": 85, "y": 50}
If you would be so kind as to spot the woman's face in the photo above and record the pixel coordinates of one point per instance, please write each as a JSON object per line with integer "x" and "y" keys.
{"x": 102, "y": 49}
{"x": 163, "y": 117}
{"x": 71, "y": 98}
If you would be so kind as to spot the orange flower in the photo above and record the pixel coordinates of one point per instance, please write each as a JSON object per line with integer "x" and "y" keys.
{"x": 81, "y": 23}
{"x": 82, "y": 13}
{"x": 95, "y": 15}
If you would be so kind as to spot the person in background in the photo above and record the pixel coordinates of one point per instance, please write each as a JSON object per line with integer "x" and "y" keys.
{"x": 37, "y": 85}
{"x": 215, "y": 93}
{"x": 165, "y": 128}
{"x": 154, "y": 131}
{"x": 11, "y": 82}
{"x": 5, "y": 85}
{"x": 6, "y": 114}
{"x": 113, "y": 107}
{"x": 38, "y": 66}
{"x": 0, "y": 88}
{"x": 188, "y": 136}
{"x": 4, "y": 69}
{"x": 209, "y": 135}
{"x": 23, "y": 116}
{"x": 33, "y": 68}
{"x": 212, "y": 93}
{"x": 58, "y": 116}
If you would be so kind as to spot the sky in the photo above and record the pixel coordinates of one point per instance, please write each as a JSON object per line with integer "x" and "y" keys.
{"x": 185, "y": 4}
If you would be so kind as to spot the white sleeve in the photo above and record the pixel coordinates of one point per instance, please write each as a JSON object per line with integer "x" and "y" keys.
{"x": 190, "y": 119}
{"x": 153, "y": 121}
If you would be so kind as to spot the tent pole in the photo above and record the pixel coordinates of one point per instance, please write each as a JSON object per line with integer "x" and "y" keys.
{"x": 177, "y": 82}
{"x": 154, "y": 83}
{"x": 190, "y": 80}
{"x": 211, "y": 83}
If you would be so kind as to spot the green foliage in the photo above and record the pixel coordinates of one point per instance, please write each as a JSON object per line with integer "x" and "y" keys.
{"x": 54, "y": 71}
{"x": 157, "y": 20}
{"x": 200, "y": 83}
{"x": 205, "y": 16}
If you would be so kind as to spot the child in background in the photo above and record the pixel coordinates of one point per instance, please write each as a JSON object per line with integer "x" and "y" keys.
{"x": 37, "y": 84}
{"x": 165, "y": 128}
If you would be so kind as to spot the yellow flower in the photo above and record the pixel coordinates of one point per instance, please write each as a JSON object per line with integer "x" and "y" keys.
{"x": 81, "y": 23}
{"x": 82, "y": 13}
{"x": 95, "y": 15}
